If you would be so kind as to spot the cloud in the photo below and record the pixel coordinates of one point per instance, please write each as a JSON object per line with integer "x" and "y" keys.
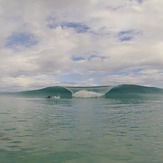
{"x": 89, "y": 42}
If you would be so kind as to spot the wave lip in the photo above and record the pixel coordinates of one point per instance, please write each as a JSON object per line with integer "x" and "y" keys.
{"x": 87, "y": 94}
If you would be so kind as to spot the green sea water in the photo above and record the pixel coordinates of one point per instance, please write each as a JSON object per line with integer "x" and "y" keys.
{"x": 122, "y": 129}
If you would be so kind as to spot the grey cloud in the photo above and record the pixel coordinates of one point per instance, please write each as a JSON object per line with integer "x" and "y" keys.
{"x": 82, "y": 27}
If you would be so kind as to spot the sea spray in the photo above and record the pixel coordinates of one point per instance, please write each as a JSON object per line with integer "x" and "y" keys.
{"x": 87, "y": 94}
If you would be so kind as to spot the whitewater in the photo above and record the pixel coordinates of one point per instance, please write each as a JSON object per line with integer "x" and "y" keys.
{"x": 120, "y": 124}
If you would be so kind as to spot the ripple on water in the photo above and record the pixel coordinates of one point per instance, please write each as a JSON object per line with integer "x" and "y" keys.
{"x": 6, "y": 139}
{"x": 16, "y": 142}
{"x": 10, "y": 129}
{"x": 23, "y": 120}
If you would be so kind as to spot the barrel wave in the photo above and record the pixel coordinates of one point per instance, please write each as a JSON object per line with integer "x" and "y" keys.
{"x": 132, "y": 90}
{"x": 56, "y": 91}
{"x": 120, "y": 91}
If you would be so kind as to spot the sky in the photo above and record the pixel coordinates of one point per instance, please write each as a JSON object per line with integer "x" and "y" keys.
{"x": 80, "y": 43}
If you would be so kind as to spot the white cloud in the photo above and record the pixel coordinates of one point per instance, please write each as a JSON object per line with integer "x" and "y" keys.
{"x": 107, "y": 38}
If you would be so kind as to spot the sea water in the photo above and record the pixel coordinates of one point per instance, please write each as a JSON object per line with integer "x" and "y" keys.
{"x": 81, "y": 130}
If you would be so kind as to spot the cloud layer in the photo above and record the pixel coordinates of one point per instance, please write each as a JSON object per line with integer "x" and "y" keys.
{"x": 84, "y": 42}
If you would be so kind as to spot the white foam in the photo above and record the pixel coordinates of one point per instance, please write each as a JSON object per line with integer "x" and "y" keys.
{"x": 86, "y": 94}
{"x": 56, "y": 97}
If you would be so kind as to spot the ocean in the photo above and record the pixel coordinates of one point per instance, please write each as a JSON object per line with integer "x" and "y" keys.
{"x": 103, "y": 124}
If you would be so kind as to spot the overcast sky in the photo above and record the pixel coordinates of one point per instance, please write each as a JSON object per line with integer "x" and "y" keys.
{"x": 80, "y": 42}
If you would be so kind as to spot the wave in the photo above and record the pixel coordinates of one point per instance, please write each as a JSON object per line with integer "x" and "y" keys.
{"x": 57, "y": 92}
{"x": 128, "y": 90}
{"x": 54, "y": 92}
{"x": 87, "y": 94}
{"x": 125, "y": 91}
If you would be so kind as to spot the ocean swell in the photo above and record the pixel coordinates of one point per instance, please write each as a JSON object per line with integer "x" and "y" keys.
{"x": 132, "y": 90}
{"x": 56, "y": 91}
{"x": 125, "y": 91}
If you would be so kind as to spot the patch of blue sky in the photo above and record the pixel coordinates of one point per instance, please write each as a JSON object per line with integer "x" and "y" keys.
{"x": 127, "y": 35}
{"x": 139, "y": 1}
{"x": 78, "y": 27}
{"x": 92, "y": 54}
{"x": 96, "y": 56}
{"x": 126, "y": 38}
{"x": 21, "y": 39}
{"x": 78, "y": 58}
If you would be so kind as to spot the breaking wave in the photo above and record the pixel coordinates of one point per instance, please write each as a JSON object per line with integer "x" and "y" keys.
{"x": 119, "y": 91}
{"x": 87, "y": 94}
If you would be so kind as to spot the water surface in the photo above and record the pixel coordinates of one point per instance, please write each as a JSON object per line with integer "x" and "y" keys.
{"x": 77, "y": 130}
